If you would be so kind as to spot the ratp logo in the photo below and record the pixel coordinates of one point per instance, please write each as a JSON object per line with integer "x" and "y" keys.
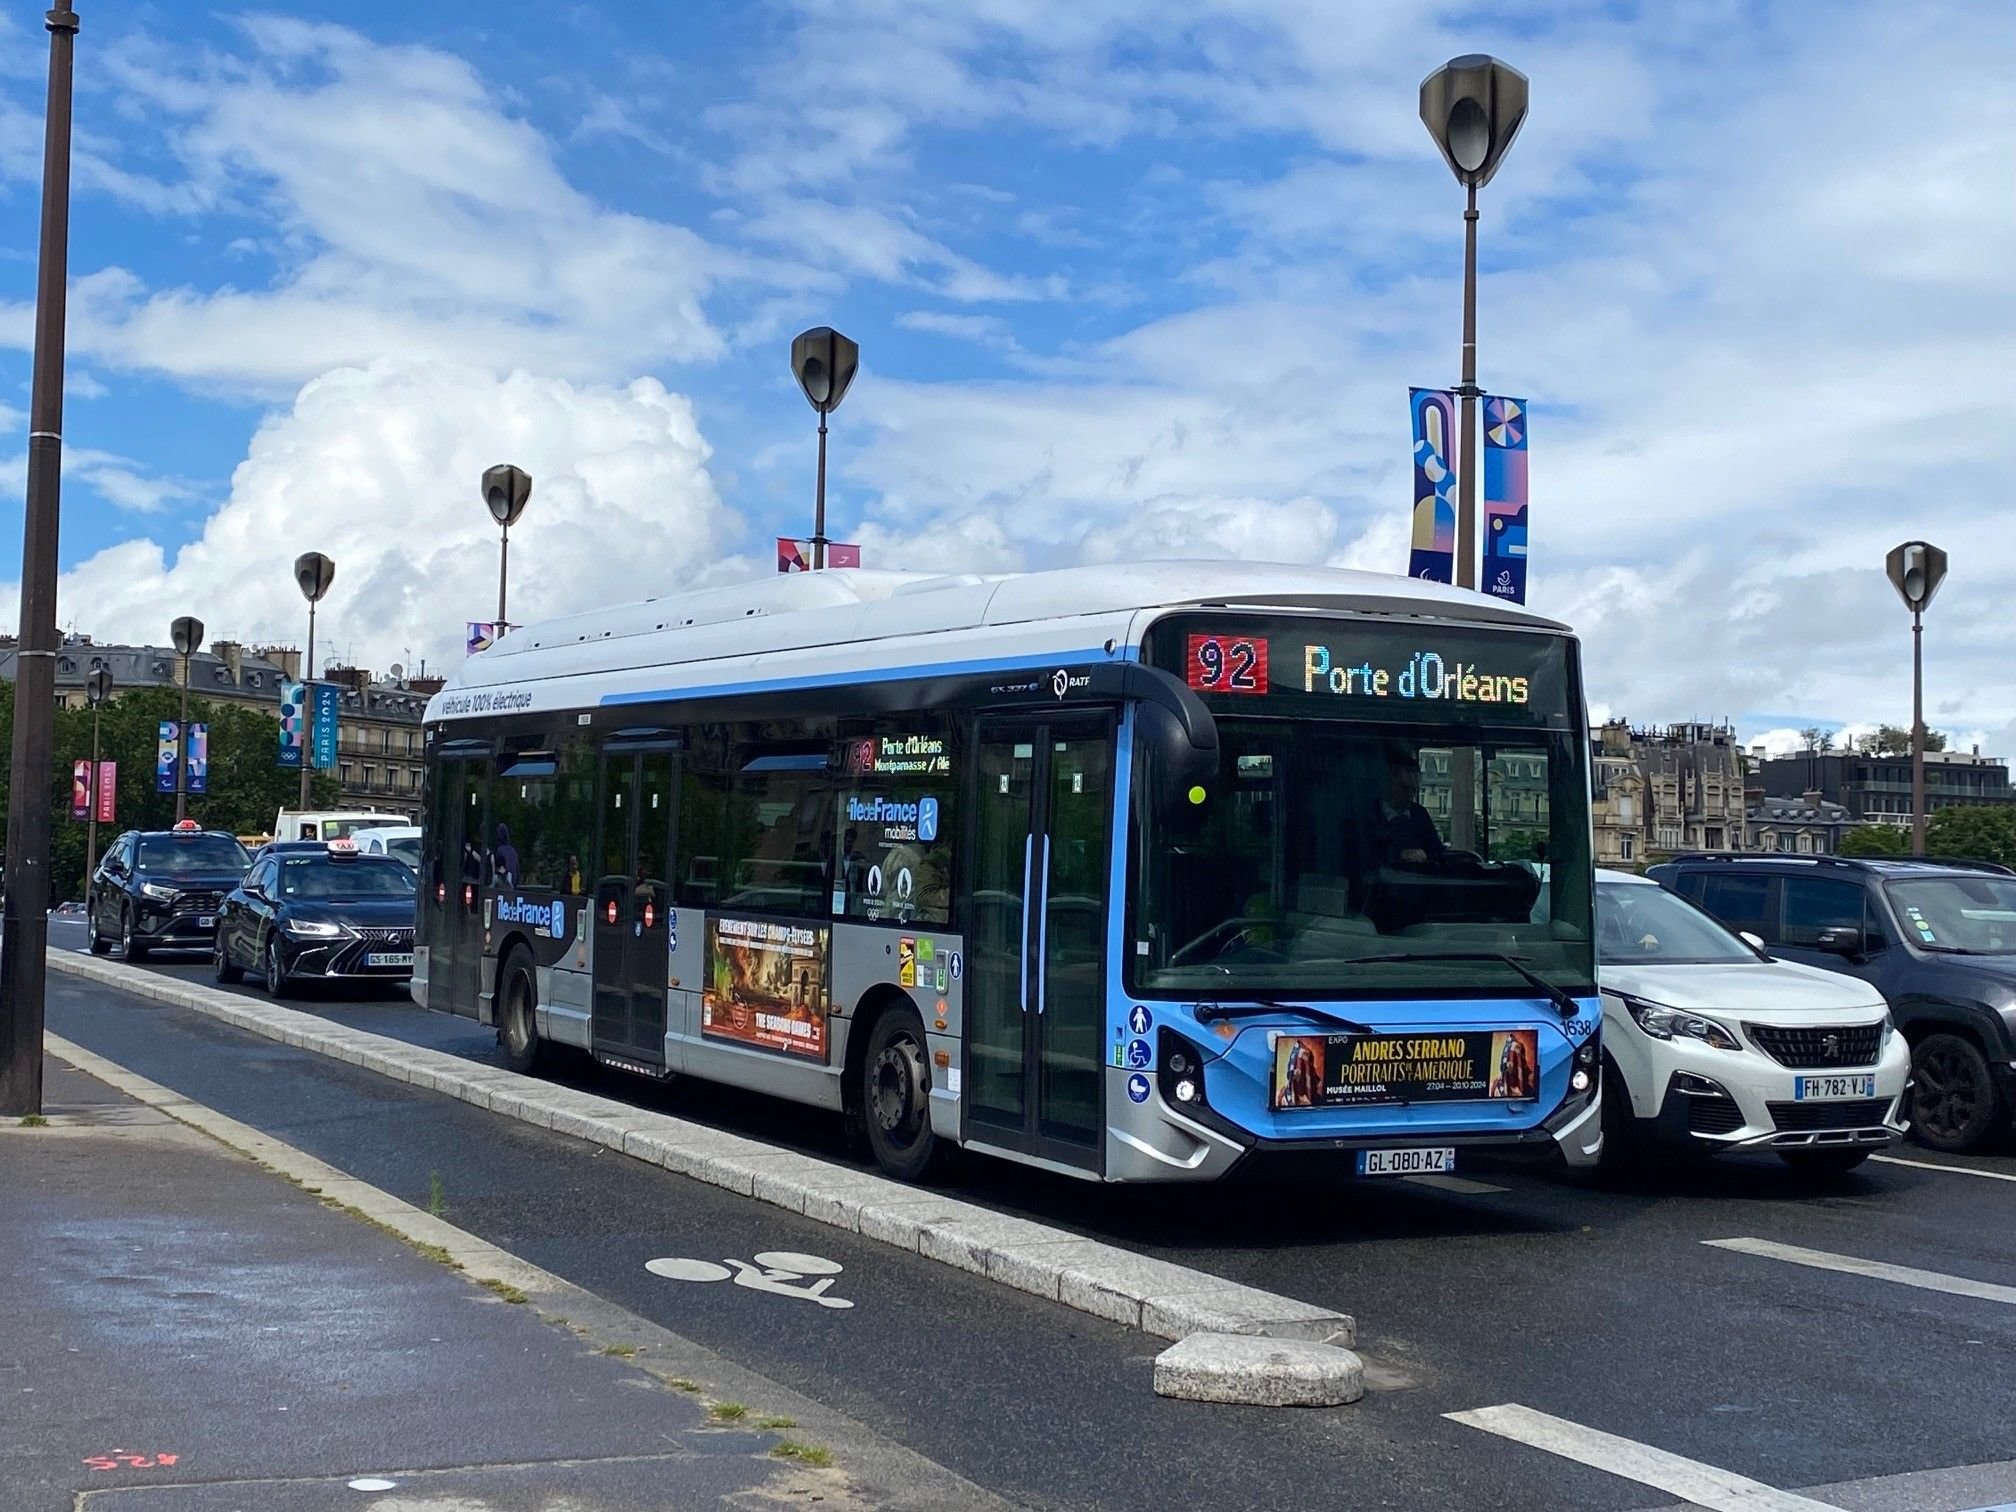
{"x": 1060, "y": 682}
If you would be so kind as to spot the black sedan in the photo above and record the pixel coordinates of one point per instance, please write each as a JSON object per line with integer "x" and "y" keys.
{"x": 162, "y": 889}
{"x": 327, "y": 914}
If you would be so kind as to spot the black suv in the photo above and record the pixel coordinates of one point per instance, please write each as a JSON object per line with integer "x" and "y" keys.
{"x": 1936, "y": 937}
{"x": 161, "y": 889}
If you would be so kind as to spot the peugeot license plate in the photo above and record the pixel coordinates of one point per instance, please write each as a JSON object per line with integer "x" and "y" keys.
{"x": 389, "y": 958}
{"x": 1826, "y": 1088}
{"x": 1405, "y": 1162}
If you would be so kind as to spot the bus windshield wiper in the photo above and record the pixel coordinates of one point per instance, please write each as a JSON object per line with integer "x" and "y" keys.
{"x": 1563, "y": 1004}
{"x": 1210, "y": 1013}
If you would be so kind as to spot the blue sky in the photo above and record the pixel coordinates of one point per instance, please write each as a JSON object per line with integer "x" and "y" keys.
{"x": 1130, "y": 278}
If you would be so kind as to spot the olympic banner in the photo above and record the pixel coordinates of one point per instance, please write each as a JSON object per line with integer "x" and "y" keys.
{"x": 80, "y": 789}
{"x": 199, "y": 758}
{"x": 481, "y": 635}
{"x": 796, "y": 556}
{"x": 1505, "y": 498}
{"x": 325, "y": 715}
{"x": 164, "y": 756}
{"x": 293, "y": 723}
{"x": 108, "y": 791}
{"x": 1434, "y": 553}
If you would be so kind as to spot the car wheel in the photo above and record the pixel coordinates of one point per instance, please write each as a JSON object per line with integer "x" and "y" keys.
{"x": 99, "y": 944}
{"x": 128, "y": 946}
{"x": 895, "y": 1093}
{"x": 275, "y": 970}
{"x": 1824, "y": 1162}
{"x": 220, "y": 963}
{"x": 1954, "y": 1104}
{"x": 517, "y": 1013}
{"x": 1623, "y": 1151}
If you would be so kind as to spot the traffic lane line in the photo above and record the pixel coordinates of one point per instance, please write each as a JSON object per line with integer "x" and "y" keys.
{"x": 1698, "y": 1484}
{"x": 1902, "y": 1275}
{"x": 1950, "y": 1170}
{"x": 1123, "y": 1286}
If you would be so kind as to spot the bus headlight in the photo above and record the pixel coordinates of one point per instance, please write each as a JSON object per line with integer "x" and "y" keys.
{"x": 1588, "y": 1064}
{"x": 1182, "y": 1073}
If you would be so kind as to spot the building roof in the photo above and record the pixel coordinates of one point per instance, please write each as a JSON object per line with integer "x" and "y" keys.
{"x": 1798, "y": 811}
{"x": 255, "y": 677}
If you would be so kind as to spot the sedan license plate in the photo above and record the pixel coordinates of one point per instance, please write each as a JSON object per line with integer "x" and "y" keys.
{"x": 207, "y": 921}
{"x": 389, "y": 958}
{"x": 1825, "y": 1088}
{"x": 1405, "y": 1162}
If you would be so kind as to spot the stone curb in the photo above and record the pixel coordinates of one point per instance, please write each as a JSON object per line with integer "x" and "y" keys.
{"x": 1163, "y": 1299}
{"x": 1212, "y": 1367}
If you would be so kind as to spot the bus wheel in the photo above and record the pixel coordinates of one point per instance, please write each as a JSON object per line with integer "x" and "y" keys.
{"x": 517, "y": 1014}
{"x": 895, "y": 1099}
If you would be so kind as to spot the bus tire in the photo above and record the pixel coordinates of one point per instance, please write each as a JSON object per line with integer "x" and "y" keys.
{"x": 518, "y": 1038}
{"x": 895, "y": 1098}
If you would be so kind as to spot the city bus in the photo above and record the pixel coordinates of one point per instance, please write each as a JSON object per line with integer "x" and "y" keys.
{"x": 1149, "y": 872}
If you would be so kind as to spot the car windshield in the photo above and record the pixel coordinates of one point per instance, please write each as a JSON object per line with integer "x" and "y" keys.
{"x": 343, "y": 829}
{"x": 188, "y": 854}
{"x": 406, "y": 848}
{"x": 1642, "y": 924}
{"x": 1967, "y": 915}
{"x": 323, "y": 879}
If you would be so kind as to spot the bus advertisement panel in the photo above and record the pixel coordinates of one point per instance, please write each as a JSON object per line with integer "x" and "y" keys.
{"x": 766, "y": 985}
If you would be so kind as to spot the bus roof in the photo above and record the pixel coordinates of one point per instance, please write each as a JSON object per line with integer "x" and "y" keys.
{"x": 875, "y": 618}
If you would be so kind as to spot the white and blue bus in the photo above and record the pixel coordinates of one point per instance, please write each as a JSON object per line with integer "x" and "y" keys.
{"x": 1138, "y": 873}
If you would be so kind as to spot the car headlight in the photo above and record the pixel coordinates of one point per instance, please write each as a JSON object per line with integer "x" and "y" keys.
{"x": 1889, "y": 1029}
{"x": 1671, "y": 1023}
{"x": 157, "y": 891}
{"x": 312, "y": 929}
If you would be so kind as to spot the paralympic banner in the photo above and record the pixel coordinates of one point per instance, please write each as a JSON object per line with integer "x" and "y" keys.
{"x": 164, "y": 756}
{"x": 1434, "y": 553}
{"x": 1505, "y": 498}
{"x": 293, "y": 723}
{"x": 199, "y": 758}
{"x": 482, "y": 636}
{"x": 325, "y": 714}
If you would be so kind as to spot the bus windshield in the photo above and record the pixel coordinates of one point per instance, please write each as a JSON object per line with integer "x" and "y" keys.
{"x": 1404, "y": 854}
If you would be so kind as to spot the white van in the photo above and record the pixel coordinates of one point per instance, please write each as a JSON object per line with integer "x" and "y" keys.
{"x": 400, "y": 841}
{"x": 332, "y": 824}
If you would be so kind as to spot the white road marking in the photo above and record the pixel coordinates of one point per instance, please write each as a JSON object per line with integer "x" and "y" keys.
{"x": 1693, "y": 1482}
{"x": 1456, "y": 1184}
{"x": 1903, "y": 1275}
{"x": 1927, "y": 1165}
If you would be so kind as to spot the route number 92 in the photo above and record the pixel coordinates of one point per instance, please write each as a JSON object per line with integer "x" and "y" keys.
{"x": 1226, "y": 664}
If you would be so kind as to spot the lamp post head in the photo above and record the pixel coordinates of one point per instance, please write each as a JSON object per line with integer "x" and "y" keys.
{"x": 824, "y": 363}
{"x": 314, "y": 572}
{"x": 98, "y": 686}
{"x": 1474, "y": 106}
{"x": 188, "y": 634}
{"x": 1916, "y": 570}
{"x": 505, "y": 490}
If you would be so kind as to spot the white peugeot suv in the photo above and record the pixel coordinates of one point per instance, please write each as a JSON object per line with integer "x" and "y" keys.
{"x": 1711, "y": 1045}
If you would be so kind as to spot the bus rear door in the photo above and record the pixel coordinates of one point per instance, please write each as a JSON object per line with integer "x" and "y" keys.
{"x": 1036, "y": 933}
{"x": 451, "y": 894}
{"x": 633, "y": 898}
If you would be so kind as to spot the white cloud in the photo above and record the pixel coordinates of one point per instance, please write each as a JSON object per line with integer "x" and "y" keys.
{"x": 120, "y": 481}
{"x": 378, "y": 467}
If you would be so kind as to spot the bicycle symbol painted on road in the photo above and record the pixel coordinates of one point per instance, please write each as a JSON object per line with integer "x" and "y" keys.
{"x": 775, "y": 1271}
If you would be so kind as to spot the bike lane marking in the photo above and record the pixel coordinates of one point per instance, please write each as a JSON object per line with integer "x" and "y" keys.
{"x": 1698, "y": 1484}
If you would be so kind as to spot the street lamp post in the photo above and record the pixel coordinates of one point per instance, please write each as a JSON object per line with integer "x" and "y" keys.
{"x": 1916, "y": 570}
{"x": 188, "y": 634}
{"x": 24, "y": 917}
{"x": 1473, "y": 106}
{"x": 314, "y": 572}
{"x": 505, "y": 490}
{"x": 825, "y": 363}
{"x": 97, "y": 688}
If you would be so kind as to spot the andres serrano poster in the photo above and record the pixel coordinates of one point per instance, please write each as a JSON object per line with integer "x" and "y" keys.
{"x": 766, "y": 985}
{"x": 1357, "y": 1070}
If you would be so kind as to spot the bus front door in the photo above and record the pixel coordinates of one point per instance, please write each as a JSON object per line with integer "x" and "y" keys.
{"x": 451, "y": 898}
{"x": 1036, "y": 935}
{"x": 632, "y": 904}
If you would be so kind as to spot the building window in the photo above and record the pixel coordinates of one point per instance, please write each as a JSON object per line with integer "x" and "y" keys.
{"x": 1626, "y": 848}
{"x": 343, "y": 774}
{"x": 370, "y": 777}
{"x": 1711, "y": 838}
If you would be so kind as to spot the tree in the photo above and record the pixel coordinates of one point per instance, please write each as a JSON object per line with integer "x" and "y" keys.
{"x": 247, "y": 788}
{"x": 1976, "y": 833}
{"x": 1874, "y": 840}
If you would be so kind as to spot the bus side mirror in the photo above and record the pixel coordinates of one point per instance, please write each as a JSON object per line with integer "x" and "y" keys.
{"x": 1180, "y": 769}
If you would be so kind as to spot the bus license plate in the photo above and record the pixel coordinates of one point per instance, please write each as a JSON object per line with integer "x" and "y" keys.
{"x": 1824, "y": 1088}
{"x": 1405, "y": 1162}
{"x": 389, "y": 958}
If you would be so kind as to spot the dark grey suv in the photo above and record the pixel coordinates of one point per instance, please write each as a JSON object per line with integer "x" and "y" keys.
{"x": 1937, "y": 938}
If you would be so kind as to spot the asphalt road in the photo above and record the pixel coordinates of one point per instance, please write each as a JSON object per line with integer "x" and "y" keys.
{"x": 1610, "y": 1309}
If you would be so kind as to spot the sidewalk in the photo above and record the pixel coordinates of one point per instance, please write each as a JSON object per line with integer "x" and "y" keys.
{"x": 186, "y": 1332}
